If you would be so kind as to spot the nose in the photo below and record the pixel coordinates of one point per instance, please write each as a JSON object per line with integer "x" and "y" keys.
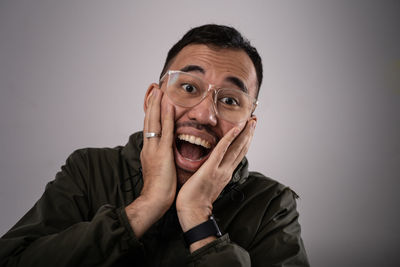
{"x": 204, "y": 112}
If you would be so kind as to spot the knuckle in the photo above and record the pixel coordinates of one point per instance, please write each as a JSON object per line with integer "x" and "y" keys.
{"x": 225, "y": 174}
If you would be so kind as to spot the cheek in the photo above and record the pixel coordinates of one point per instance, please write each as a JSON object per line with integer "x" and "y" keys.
{"x": 178, "y": 111}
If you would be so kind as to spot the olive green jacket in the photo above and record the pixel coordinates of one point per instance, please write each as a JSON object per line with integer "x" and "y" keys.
{"x": 80, "y": 220}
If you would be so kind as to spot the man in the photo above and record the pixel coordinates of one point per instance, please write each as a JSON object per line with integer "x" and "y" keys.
{"x": 165, "y": 198}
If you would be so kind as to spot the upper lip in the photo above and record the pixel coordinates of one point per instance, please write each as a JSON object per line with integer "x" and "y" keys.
{"x": 194, "y": 140}
{"x": 206, "y": 136}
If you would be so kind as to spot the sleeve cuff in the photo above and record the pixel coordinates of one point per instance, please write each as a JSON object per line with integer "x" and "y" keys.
{"x": 213, "y": 246}
{"x": 131, "y": 241}
{"x": 220, "y": 252}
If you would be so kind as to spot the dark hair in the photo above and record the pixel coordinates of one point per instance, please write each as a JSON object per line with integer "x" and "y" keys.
{"x": 220, "y": 36}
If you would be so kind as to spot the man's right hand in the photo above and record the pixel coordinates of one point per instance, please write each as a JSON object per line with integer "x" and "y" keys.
{"x": 158, "y": 167}
{"x": 157, "y": 158}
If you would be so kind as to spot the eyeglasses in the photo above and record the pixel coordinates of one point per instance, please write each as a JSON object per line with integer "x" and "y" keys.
{"x": 188, "y": 90}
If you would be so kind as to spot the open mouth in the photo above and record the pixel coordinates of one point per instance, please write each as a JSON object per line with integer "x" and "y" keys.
{"x": 192, "y": 148}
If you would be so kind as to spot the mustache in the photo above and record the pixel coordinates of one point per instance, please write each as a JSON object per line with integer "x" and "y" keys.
{"x": 197, "y": 126}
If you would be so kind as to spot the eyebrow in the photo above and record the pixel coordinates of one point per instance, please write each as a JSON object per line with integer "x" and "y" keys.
{"x": 239, "y": 83}
{"x": 232, "y": 79}
{"x": 191, "y": 68}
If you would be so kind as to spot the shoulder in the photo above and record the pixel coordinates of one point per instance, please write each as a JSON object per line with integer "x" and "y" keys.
{"x": 107, "y": 155}
{"x": 257, "y": 183}
{"x": 91, "y": 154}
{"x": 88, "y": 166}
{"x": 95, "y": 163}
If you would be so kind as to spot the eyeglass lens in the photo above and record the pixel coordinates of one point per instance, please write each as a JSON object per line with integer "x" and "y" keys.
{"x": 188, "y": 90}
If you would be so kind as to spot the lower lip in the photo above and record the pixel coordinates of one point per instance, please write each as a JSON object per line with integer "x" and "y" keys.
{"x": 188, "y": 164}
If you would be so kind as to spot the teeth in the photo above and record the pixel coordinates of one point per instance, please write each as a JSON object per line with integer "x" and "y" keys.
{"x": 194, "y": 140}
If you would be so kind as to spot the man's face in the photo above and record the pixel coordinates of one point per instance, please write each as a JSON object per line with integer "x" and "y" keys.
{"x": 217, "y": 67}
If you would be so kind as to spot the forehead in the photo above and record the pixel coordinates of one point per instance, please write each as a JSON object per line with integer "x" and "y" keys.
{"x": 218, "y": 63}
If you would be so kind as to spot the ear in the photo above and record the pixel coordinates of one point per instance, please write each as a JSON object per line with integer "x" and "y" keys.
{"x": 147, "y": 96}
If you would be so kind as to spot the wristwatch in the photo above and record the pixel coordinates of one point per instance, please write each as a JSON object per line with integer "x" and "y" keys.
{"x": 201, "y": 231}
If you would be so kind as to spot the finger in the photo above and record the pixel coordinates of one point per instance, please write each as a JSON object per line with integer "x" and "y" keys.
{"x": 154, "y": 125}
{"x": 241, "y": 155}
{"x": 244, "y": 150}
{"x": 167, "y": 135}
{"x": 146, "y": 119}
{"x": 219, "y": 151}
{"x": 239, "y": 147}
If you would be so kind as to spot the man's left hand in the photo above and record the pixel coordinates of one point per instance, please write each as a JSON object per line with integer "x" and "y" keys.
{"x": 195, "y": 198}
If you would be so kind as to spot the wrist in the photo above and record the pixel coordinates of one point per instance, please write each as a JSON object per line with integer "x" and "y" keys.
{"x": 201, "y": 243}
{"x": 143, "y": 213}
{"x": 157, "y": 201}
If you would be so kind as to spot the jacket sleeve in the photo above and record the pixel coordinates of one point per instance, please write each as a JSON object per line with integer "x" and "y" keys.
{"x": 277, "y": 241}
{"x": 61, "y": 230}
{"x": 220, "y": 252}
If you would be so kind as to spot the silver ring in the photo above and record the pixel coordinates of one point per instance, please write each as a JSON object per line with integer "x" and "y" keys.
{"x": 151, "y": 135}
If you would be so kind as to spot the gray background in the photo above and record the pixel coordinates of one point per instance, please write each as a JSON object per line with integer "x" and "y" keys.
{"x": 73, "y": 74}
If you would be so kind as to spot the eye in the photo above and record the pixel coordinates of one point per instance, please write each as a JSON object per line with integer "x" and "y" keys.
{"x": 229, "y": 101}
{"x": 189, "y": 88}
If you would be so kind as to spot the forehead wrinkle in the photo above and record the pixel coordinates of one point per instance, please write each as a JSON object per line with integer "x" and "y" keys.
{"x": 225, "y": 64}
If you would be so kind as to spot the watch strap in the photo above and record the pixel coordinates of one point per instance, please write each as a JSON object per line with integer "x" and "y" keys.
{"x": 201, "y": 231}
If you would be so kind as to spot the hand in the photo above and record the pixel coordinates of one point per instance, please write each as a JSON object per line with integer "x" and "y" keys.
{"x": 157, "y": 158}
{"x": 158, "y": 168}
{"x": 195, "y": 198}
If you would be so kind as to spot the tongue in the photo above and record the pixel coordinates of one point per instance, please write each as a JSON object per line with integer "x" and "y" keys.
{"x": 191, "y": 151}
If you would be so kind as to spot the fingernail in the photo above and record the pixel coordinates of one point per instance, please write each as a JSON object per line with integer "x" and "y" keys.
{"x": 253, "y": 125}
{"x": 236, "y": 132}
{"x": 155, "y": 92}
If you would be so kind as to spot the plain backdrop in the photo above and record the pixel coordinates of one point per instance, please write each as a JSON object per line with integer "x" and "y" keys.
{"x": 73, "y": 74}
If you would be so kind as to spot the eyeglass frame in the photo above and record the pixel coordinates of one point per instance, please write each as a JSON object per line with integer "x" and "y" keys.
{"x": 210, "y": 87}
